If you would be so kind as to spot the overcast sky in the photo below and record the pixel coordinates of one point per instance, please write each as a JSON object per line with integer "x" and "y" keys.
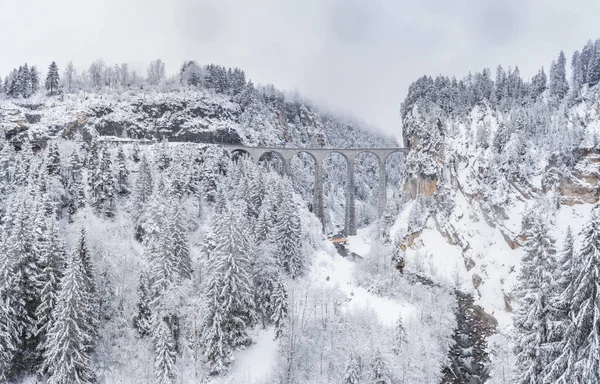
{"x": 357, "y": 56}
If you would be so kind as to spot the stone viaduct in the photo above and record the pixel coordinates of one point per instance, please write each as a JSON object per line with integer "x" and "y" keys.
{"x": 319, "y": 154}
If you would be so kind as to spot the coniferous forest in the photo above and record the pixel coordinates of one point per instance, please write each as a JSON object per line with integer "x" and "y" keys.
{"x": 134, "y": 248}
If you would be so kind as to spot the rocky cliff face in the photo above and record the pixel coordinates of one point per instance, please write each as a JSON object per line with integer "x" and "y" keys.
{"x": 199, "y": 115}
{"x": 580, "y": 186}
{"x": 485, "y": 169}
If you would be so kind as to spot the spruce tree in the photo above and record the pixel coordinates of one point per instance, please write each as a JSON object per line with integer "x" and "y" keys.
{"x": 163, "y": 266}
{"x": 593, "y": 70}
{"x": 265, "y": 276}
{"x": 52, "y": 79}
{"x": 399, "y": 336}
{"x": 75, "y": 186}
{"x": 103, "y": 190}
{"x": 122, "y": 173}
{"x": 142, "y": 319}
{"x": 164, "y": 155}
{"x": 53, "y": 256}
{"x": 14, "y": 88}
{"x": 35, "y": 79}
{"x": 53, "y": 160}
{"x": 559, "y": 347}
{"x": 228, "y": 292}
{"x": 565, "y": 273}
{"x": 69, "y": 341}
{"x": 180, "y": 248}
{"x": 89, "y": 282}
{"x": 579, "y": 360}
{"x": 534, "y": 290}
{"x": 558, "y": 77}
{"x": 538, "y": 84}
{"x": 11, "y": 308}
{"x": 164, "y": 347}
{"x": 27, "y": 269}
{"x": 24, "y": 81}
{"x": 142, "y": 192}
{"x": 266, "y": 218}
{"x": 577, "y": 73}
{"x": 279, "y": 307}
{"x": 288, "y": 235}
{"x": 136, "y": 153}
{"x": 92, "y": 159}
{"x": 379, "y": 371}
{"x": 353, "y": 373}
{"x": 585, "y": 58}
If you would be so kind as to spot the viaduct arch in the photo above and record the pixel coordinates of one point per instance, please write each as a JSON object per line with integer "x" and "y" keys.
{"x": 319, "y": 155}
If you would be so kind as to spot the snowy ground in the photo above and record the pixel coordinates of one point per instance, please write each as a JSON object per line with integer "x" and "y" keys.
{"x": 256, "y": 363}
{"x": 337, "y": 272}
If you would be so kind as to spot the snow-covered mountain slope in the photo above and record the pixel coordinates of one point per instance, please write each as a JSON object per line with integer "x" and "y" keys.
{"x": 485, "y": 167}
{"x": 254, "y": 117}
{"x": 265, "y": 297}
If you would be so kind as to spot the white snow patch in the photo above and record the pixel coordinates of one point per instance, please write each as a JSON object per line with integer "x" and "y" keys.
{"x": 361, "y": 242}
{"x": 340, "y": 273}
{"x": 255, "y": 363}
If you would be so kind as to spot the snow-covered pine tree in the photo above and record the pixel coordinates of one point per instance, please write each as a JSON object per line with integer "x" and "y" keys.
{"x": 534, "y": 289}
{"x": 559, "y": 348}
{"x": 580, "y": 349}
{"x": 379, "y": 373}
{"x": 228, "y": 292}
{"x": 25, "y": 81}
{"x": 266, "y": 220}
{"x": 593, "y": 71}
{"x": 75, "y": 186}
{"x": 52, "y": 79}
{"x": 353, "y": 373}
{"x": 11, "y": 307}
{"x": 69, "y": 340}
{"x": 255, "y": 193}
{"x": 399, "y": 336}
{"x": 103, "y": 190}
{"x": 279, "y": 307}
{"x": 576, "y": 74}
{"x": 70, "y": 74}
{"x": 142, "y": 192}
{"x": 91, "y": 289}
{"x": 163, "y": 267}
{"x": 14, "y": 88}
{"x": 53, "y": 256}
{"x": 53, "y": 160}
{"x": 27, "y": 269}
{"x": 538, "y": 84}
{"x": 163, "y": 158}
{"x": 288, "y": 236}
{"x": 7, "y": 168}
{"x": 558, "y": 77}
{"x": 122, "y": 173}
{"x": 92, "y": 158}
{"x": 35, "y": 79}
{"x": 164, "y": 348}
{"x": 180, "y": 178}
{"x": 180, "y": 247}
{"x": 142, "y": 320}
{"x": 135, "y": 155}
{"x": 565, "y": 273}
{"x": 265, "y": 275}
